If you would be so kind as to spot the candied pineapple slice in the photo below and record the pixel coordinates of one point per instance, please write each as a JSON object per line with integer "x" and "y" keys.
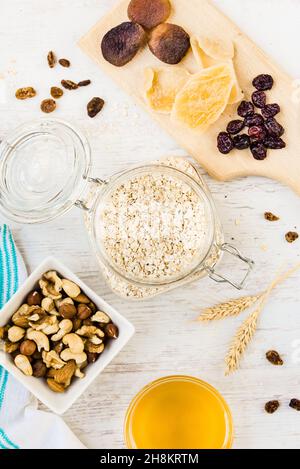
{"x": 204, "y": 97}
{"x": 236, "y": 94}
{"x": 203, "y": 60}
{"x": 217, "y": 48}
{"x": 162, "y": 85}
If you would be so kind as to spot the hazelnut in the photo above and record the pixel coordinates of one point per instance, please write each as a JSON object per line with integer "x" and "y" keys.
{"x": 59, "y": 348}
{"x": 76, "y": 324}
{"x": 34, "y": 298}
{"x": 121, "y": 44}
{"x": 88, "y": 322}
{"x": 149, "y": 13}
{"x": 84, "y": 312}
{"x": 67, "y": 311}
{"x": 2, "y": 332}
{"x": 37, "y": 355}
{"x": 92, "y": 357}
{"x": 112, "y": 331}
{"x": 39, "y": 369}
{"x": 28, "y": 347}
{"x": 169, "y": 43}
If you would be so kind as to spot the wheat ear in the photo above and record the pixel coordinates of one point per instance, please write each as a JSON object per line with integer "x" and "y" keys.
{"x": 246, "y": 331}
{"x": 228, "y": 309}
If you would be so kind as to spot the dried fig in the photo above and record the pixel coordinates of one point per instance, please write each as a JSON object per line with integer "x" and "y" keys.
{"x": 121, "y": 44}
{"x": 149, "y": 13}
{"x": 169, "y": 43}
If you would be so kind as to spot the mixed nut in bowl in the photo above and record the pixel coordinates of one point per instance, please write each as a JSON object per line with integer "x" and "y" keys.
{"x": 57, "y": 335}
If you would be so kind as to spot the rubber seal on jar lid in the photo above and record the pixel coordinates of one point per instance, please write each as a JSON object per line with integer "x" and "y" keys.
{"x": 44, "y": 169}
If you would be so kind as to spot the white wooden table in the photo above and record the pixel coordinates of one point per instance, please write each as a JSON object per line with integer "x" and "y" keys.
{"x": 166, "y": 340}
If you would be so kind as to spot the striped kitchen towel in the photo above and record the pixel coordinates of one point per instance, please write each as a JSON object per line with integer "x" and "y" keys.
{"x": 22, "y": 425}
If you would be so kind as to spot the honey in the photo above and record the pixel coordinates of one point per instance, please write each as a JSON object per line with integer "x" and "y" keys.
{"x": 178, "y": 412}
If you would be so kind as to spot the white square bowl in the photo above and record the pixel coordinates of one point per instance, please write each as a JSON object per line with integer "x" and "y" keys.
{"x": 60, "y": 403}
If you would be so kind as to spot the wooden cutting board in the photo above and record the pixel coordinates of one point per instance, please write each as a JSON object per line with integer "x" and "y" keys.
{"x": 201, "y": 17}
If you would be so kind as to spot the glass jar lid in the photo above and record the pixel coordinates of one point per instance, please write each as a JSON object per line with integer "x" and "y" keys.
{"x": 153, "y": 225}
{"x": 44, "y": 168}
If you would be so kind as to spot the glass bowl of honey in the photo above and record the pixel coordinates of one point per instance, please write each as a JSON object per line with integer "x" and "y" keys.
{"x": 178, "y": 412}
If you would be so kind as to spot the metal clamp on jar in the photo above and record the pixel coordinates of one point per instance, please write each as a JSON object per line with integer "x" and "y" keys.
{"x": 153, "y": 227}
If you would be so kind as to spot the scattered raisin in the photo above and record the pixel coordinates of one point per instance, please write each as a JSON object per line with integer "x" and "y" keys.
{"x": 295, "y": 404}
{"x": 291, "y": 236}
{"x": 56, "y": 92}
{"x": 51, "y": 59}
{"x": 274, "y": 357}
{"x": 84, "y": 83}
{"x": 263, "y": 82}
{"x": 257, "y": 133}
{"x": 225, "y": 143}
{"x": 274, "y": 128}
{"x": 241, "y": 142}
{"x": 255, "y": 119}
{"x": 274, "y": 143}
{"x": 69, "y": 84}
{"x": 270, "y": 110}
{"x": 235, "y": 126}
{"x": 95, "y": 106}
{"x": 48, "y": 105}
{"x": 245, "y": 109}
{"x": 64, "y": 63}
{"x": 271, "y": 217}
{"x": 271, "y": 406}
{"x": 259, "y": 99}
{"x": 258, "y": 151}
{"x": 25, "y": 93}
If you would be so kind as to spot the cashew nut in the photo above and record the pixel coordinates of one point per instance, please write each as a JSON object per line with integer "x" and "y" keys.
{"x": 71, "y": 289}
{"x": 90, "y": 331}
{"x": 101, "y": 317}
{"x": 95, "y": 340}
{"x": 75, "y": 343}
{"x": 40, "y": 339}
{"x": 94, "y": 348}
{"x": 67, "y": 355}
{"x": 52, "y": 360}
{"x": 22, "y": 362}
{"x": 15, "y": 333}
{"x": 65, "y": 326}
{"x": 47, "y": 304}
{"x": 79, "y": 374}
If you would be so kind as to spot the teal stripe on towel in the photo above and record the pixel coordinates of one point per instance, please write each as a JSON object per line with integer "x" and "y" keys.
{"x": 6, "y": 440}
{"x": 9, "y": 257}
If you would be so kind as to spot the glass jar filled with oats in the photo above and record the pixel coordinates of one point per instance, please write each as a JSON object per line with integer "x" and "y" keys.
{"x": 153, "y": 227}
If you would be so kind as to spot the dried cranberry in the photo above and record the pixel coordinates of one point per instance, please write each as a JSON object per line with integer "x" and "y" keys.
{"x": 270, "y": 110}
{"x": 234, "y": 127}
{"x": 255, "y": 119}
{"x": 245, "y": 109}
{"x": 274, "y": 143}
{"x": 259, "y": 99}
{"x": 259, "y": 151}
{"x": 263, "y": 82}
{"x": 225, "y": 143}
{"x": 274, "y": 128}
{"x": 257, "y": 133}
{"x": 241, "y": 142}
